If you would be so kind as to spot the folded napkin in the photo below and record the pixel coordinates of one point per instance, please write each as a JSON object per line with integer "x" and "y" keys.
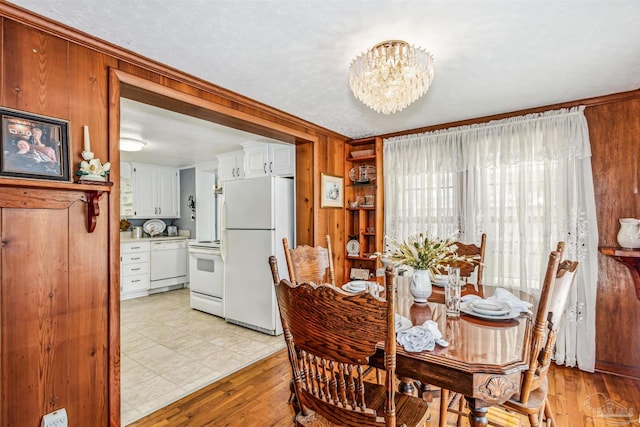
{"x": 421, "y": 338}
{"x": 503, "y": 295}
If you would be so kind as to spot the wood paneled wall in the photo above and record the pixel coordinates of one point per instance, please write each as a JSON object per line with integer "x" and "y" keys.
{"x": 614, "y": 129}
{"x": 59, "y": 293}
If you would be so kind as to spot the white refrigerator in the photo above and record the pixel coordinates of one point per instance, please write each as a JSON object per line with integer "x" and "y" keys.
{"x": 257, "y": 214}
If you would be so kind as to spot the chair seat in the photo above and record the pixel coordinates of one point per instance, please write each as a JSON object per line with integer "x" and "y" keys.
{"x": 410, "y": 411}
{"x": 535, "y": 402}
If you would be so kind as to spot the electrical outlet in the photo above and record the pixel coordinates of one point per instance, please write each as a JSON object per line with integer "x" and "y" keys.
{"x": 55, "y": 419}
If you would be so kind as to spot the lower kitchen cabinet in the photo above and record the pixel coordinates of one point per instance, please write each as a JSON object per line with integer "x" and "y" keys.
{"x": 134, "y": 269}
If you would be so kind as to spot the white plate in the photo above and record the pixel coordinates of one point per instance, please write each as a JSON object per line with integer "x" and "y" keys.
{"x": 360, "y": 285}
{"x": 490, "y": 308}
{"x": 464, "y": 307}
{"x": 439, "y": 284}
{"x": 402, "y": 323}
{"x": 153, "y": 227}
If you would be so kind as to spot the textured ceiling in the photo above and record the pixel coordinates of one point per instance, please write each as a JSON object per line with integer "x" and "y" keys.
{"x": 490, "y": 56}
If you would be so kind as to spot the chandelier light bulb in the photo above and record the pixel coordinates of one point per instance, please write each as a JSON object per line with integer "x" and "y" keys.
{"x": 391, "y": 75}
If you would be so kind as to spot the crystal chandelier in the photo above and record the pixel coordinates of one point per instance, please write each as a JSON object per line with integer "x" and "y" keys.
{"x": 391, "y": 75}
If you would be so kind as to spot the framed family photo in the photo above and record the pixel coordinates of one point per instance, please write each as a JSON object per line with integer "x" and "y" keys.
{"x": 332, "y": 191}
{"x": 33, "y": 146}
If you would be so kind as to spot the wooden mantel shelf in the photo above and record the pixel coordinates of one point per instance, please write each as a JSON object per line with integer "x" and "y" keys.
{"x": 62, "y": 195}
{"x": 630, "y": 258}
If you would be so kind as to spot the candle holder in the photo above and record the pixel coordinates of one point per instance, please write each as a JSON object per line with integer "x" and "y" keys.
{"x": 91, "y": 169}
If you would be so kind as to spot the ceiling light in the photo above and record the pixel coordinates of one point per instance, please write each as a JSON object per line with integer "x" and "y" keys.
{"x": 391, "y": 75}
{"x": 131, "y": 144}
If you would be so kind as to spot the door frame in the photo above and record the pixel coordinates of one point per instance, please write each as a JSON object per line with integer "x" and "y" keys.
{"x": 123, "y": 84}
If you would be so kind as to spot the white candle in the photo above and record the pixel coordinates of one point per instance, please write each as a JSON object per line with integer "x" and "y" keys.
{"x": 87, "y": 143}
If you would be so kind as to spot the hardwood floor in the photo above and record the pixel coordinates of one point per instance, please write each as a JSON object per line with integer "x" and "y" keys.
{"x": 257, "y": 396}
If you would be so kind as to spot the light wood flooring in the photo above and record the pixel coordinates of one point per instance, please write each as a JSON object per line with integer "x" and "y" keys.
{"x": 257, "y": 396}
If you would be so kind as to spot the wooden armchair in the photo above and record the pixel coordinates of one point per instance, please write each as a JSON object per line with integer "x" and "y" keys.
{"x": 330, "y": 335}
{"x": 310, "y": 264}
{"x": 532, "y": 400}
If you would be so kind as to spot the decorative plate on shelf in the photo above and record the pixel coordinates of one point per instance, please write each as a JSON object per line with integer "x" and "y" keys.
{"x": 153, "y": 227}
{"x": 363, "y": 174}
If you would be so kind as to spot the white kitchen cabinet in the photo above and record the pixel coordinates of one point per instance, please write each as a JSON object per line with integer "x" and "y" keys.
{"x": 126, "y": 190}
{"x": 134, "y": 269}
{"x": 156, "y": 191}
{"x": 231, "y": 166}
{"x": 262, "y": 159}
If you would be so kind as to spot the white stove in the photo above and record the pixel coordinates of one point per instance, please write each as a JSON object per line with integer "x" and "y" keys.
{"x": 214, "y": 244}
{"x": 206, "y": 277}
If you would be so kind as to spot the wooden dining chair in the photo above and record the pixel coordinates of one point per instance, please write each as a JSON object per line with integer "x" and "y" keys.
{"x": 468, "y": 267}
{"x": 532, "y": 400}
{"x": 310, "y": 263}
{"x": 330, "y": 336}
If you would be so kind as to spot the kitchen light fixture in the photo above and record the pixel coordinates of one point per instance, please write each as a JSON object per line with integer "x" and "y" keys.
{"x": 391, "y": 75}
{"x": 128, "y": 143}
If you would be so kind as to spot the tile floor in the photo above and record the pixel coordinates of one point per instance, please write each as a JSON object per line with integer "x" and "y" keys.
{"x": 169, "y": 350}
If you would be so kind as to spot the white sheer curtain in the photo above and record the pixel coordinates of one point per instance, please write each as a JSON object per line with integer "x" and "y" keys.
{"x": 526, "y": 182}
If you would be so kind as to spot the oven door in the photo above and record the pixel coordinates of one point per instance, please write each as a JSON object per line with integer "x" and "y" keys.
{"x": 205, "y": 271}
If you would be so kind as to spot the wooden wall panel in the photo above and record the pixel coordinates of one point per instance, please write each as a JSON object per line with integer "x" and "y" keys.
{"x": 330, "y": 161}
{"x": 615, "y": 146}
{"x": 34, "y": 71}
{"x": 304, "y": 194}
{"x": 35, "y": 322}
{"x": 88, "y": 313}
{"x": 89, "y": 267}
{"x": 88, "y": 95}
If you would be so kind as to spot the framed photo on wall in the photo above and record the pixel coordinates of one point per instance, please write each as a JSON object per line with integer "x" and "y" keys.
{"x": 332, "y": 191}
{"x": 33, "y": 146}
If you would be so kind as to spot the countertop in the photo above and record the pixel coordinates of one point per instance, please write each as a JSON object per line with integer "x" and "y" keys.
{"x": 125, "y": 237}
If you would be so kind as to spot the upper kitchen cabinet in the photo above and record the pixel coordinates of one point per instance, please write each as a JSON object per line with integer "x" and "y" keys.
{"x": 231, "y": 165}
{"x": 262, "y": 159}
{"x": 156, "y": 191}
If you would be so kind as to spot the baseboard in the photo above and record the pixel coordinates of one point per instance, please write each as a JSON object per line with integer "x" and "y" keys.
{"x": 620, "y": 370}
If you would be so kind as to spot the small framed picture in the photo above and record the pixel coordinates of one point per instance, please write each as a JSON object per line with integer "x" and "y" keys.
{"x": 332, "y": 191}
{"x": 33, "y": 146}
{"x": 359, "y": 274}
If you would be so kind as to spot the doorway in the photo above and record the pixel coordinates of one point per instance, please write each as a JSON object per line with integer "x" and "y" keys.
{"x": 128, "y": 86}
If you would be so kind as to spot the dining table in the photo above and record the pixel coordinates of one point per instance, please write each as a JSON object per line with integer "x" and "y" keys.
{"x": 483, "y": 361}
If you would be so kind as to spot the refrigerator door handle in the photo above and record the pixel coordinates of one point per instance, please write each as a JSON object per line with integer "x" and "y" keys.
{"x": 223, "y": 241}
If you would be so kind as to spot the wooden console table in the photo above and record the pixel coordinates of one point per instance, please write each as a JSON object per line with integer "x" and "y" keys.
{"x": 630, "y": 258}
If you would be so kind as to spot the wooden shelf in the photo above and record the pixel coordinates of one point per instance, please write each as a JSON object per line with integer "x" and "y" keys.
{"x": 362, "y": 184}
{"x": 362, "y": 218}
{"x": 628, "y": 257}
{"x": 361, "y": 159}
{"x": 361, "y": 258}
{"x": 59, "y": 195}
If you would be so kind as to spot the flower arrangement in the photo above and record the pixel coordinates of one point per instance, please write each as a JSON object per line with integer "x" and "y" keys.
{"x": 92, "y": 169}
{"x": 422, "y": 252}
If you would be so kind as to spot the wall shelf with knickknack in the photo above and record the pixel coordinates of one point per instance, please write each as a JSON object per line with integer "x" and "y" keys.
{"x": 630, "y": 258}
{"x": 19, "y": 193}
{"x": 364, "y": 209}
